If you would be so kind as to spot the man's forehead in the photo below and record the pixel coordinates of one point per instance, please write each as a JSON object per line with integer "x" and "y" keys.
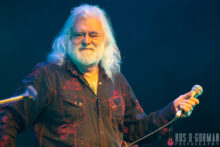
{"x": 88, "y": 24}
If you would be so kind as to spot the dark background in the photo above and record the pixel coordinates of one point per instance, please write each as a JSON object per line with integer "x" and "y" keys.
{"x": 166, "y": 47}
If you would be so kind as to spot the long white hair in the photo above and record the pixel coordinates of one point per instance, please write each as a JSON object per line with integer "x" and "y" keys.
{"x": 111, "y": 59}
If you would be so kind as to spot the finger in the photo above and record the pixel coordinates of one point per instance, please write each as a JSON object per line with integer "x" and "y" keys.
{"x": 190, "y": 102}
{"x": 189, "y": 106}
{"x": 186, "y": 107}
{"x": 194, "y": 99}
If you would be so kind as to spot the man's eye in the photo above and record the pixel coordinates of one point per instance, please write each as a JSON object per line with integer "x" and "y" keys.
{"x": 78, "y": 34}
{"x": 93, "y": 35}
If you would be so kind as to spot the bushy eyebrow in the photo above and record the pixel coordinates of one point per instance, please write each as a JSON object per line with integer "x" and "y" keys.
{"x": 94, "y": 32}
{"x": 83, "y": 33}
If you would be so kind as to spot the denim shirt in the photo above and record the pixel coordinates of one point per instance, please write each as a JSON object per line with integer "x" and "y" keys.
{"x": 66, "y": 112}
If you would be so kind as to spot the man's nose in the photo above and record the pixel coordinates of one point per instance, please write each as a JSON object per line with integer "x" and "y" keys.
{"x": 86, "y": 40}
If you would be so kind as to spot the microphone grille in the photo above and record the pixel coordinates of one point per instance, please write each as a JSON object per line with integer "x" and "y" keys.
{"x": 198, "y": 89}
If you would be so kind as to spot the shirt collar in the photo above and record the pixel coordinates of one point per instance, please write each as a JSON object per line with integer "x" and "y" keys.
{"x": 71, "y": 67}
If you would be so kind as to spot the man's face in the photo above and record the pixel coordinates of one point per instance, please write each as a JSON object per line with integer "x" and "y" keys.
{"x": 87, "y": 41}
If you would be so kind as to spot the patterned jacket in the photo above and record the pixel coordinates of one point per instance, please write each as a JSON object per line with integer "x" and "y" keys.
{"x": 66, "y": 112}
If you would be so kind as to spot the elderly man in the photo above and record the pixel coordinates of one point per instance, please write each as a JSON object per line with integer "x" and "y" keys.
{"x": 83, "y": 99}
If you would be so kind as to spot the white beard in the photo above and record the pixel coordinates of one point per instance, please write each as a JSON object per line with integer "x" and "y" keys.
{"x": 86, "y": 57}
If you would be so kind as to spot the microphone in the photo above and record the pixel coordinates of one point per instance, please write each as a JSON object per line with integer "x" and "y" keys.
{"x": 30, "y": 93}
{"x": 197, "y": 91}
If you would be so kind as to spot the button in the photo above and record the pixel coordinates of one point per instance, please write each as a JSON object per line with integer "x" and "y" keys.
{"x": 100, "y": 83}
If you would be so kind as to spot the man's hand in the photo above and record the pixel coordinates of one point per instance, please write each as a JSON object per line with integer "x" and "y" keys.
{"x": 186, "y": 103}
